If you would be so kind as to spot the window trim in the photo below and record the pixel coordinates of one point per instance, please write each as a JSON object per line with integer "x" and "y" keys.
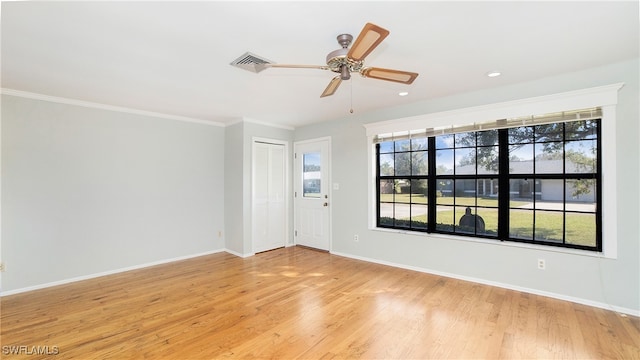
{"x": 605, "y": 97}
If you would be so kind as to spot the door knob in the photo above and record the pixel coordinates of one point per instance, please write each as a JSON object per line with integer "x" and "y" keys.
{"x": 325, "y": 204}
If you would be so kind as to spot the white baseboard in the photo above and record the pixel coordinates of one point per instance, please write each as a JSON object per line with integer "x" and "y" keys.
{"x": 597, "y": 304}
{"x": 238, "y": 254}
{"x": 105, "y": 273}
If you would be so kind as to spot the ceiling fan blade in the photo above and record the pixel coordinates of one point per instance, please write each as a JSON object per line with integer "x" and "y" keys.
{"x": 332, "y": 87}
{"x": 370, "y": 37}
{"x": 404, "y": 77}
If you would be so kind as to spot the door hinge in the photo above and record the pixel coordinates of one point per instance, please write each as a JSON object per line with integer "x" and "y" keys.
{"x": 295, "y": 233}
{"x": 295, "y": 194}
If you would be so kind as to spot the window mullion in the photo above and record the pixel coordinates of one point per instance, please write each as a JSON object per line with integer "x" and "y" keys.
{"x": 503, "y": 184}
{"x": 431, "y": 184}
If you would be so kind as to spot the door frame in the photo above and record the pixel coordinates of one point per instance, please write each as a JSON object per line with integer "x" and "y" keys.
{"x": 296, "y": 183}
{"x": 287, "y": 186}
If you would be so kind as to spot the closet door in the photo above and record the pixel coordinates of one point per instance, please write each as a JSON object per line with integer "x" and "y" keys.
{"x": 269, "y": 196}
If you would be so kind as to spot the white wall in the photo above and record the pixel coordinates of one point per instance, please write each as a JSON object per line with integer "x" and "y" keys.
{"x": 588, "y": 279}
{"x": 233, "y": 188}
{"x": 88, "y": 191}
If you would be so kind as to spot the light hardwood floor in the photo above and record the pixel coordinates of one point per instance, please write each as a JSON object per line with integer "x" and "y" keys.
{"x": 300, "y": 303}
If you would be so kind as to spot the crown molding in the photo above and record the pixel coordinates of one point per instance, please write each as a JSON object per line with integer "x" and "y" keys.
{"x": 93, "y": 105}
{"x": 265, "y": 123}
{"x": 258, "y": 122}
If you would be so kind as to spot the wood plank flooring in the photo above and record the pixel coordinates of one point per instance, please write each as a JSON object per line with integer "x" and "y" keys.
{"x": 298, "y": 303}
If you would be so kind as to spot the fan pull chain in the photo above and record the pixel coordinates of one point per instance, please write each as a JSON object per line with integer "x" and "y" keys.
{"x": 351, "y": 86}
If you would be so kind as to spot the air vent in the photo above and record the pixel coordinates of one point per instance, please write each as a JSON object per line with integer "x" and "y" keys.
{"x": 251, "y": 62}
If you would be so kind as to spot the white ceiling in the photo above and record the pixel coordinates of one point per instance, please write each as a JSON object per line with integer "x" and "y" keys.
{"x": 174, "y": 57}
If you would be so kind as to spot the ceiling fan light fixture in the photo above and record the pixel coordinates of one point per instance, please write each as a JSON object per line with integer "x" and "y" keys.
{"x": 344, "y": 72}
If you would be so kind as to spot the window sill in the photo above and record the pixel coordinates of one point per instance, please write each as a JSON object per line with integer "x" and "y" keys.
{"x": 497, "y": 243}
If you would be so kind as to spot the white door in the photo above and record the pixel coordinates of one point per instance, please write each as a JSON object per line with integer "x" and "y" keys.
{"x": 269, "y": 206}
{"x": 312, "y": 201}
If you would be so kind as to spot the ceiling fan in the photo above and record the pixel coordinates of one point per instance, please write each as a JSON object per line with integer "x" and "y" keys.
{"x": 346, "y": 60}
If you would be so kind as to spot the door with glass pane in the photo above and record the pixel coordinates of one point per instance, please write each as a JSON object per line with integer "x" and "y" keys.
{"x": 312, "y": 200}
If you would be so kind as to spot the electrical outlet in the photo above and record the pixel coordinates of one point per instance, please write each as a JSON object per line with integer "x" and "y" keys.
{"x": 541, "y": 264}
{"x": 356, "y": 238}
{"x": 219, "y": 234}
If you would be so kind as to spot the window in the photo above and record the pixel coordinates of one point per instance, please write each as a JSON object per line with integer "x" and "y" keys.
{"x": 537, "y": 183}
{"x": 311, "y": 175}
{"x": 403, "y": 183}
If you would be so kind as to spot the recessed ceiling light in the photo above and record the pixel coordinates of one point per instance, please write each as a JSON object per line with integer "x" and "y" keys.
{"x": 493, "y": 73}
{"x": 404, "y": 93}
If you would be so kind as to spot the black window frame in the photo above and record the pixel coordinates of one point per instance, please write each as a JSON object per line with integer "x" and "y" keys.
{"x": 504, "y": 178}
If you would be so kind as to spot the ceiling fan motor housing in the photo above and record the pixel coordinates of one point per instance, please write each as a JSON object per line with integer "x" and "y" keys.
{"x": 338, "y": 62}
